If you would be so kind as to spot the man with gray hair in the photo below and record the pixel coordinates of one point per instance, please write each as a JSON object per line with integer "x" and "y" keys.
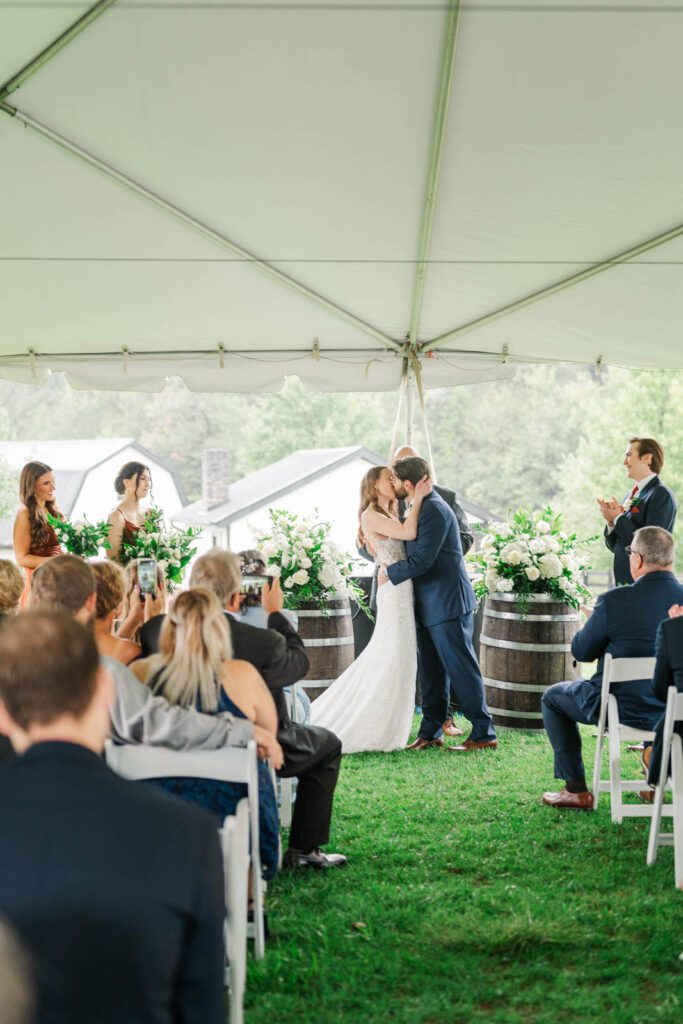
{"x": 624, "y": 624}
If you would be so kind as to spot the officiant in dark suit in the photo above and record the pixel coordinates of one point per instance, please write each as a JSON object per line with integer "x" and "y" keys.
{"x": 650, "y": 503}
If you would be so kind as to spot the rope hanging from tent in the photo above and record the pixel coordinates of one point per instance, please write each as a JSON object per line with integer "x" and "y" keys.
{"x": 411, "y": 382}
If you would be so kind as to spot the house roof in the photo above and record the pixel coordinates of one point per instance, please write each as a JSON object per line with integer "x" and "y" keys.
{"x": 274, "y": 481}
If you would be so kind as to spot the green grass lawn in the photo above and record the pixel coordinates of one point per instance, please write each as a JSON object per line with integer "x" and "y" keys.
{"x": 465, "y": 899}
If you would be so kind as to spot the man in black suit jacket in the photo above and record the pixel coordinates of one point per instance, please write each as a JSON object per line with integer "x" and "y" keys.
{"x": 650, "y": 503}
{"x": 311, "y": 754}
{"x": 668, "y": 672}
{"x": 115, "y": 889}
{"x": 624, "y": 624}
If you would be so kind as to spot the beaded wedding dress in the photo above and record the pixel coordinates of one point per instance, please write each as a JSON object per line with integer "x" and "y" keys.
{"x": 370, "y": 706}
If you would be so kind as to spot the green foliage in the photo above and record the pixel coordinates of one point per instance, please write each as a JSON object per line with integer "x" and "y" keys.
{"x": 466, "y": 900}
{"x": 172, "y": 548}
{"x": 81, "y": 537}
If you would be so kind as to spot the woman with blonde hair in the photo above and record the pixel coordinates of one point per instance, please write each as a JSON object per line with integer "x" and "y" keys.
{"x": 370, "y": 706}
{"x": 35, "y": 541}
{"x": 194, "y": 668}
{"x": 110, "y": 583}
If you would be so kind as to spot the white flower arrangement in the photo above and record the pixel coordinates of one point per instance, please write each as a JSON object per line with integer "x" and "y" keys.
{"x": 311, "y": 569}
{"x": 172, "y": 548}
{"x": 81, "y": 537}
{"x": 530, "y": 555}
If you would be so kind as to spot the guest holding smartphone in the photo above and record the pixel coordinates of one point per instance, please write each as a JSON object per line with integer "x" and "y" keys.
{"x": 35, "y": 541}
{"x": 133, "y": 484}
{"x": 141, "y": 600}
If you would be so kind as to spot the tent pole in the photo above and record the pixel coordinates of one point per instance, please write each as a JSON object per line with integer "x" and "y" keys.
{"x": 567, "y": 282}
{"x": 438, "y": 137}
{"x": 58, "y": 44}
{"x": 204, "y": 229}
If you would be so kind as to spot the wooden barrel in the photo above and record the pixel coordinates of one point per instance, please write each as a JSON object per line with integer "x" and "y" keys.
{"x": 328, "y": 638}
{"x": 521, "y": 656}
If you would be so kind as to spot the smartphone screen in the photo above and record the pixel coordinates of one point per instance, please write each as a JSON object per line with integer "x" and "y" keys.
{"x": 147, "y": 576}
{"x": 251, "y": 590}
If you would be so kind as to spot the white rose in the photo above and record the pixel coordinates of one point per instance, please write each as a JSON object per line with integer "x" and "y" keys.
{"x": 505, "y": 531}
{"x": 289, "y": 582}
{"x": 487, "y": 542}
{"x": 273, "y": 570}
{"x": 542, "y": 526}
{"x": 550, "y": 566}
{"x": 565, "y": 584}
{"x": 491, "y": 579}
{"x": 552, "y": 544}
{"x": 300, "y": 577}
{"x": 537, "y": 545}
{"x": 269, "y": 550}
{"x": 532, "y": 573}
{"x": 504, "y": 586}
{"x": 162, "y": 564}
{"x": 306, "y": 563}
{"x": 301, "y": 528}
{"x": 512, "y": 554}
{"x": 526, "y": 558}
{"x": 565, "y": 560}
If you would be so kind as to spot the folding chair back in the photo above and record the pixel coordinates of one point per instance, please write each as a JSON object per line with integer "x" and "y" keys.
{"x": 672, "y": 751}
{"x": 235, "y": 844}
{"x": 228, "y": 764}
{"x": 615, "y": 671}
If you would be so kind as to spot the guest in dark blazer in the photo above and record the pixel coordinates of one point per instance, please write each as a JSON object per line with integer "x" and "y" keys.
{"x": 668, "y": 672}
{"x": 444, "y": 614}
{"x": 115, "y": 890}
{"x": 650, "y": 503}
{"x": 624, "y": 624}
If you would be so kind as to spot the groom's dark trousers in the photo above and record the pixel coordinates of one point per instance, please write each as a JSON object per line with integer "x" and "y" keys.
{"x": 444, "y": 611}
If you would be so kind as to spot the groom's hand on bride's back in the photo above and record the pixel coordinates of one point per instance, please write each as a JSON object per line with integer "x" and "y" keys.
{"x": 382, "y": 577}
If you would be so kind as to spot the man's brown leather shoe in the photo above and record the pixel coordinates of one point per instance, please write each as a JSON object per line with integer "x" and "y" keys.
{"x": 647, "y": 795}
{"x": 451, "y": 729}
{"x": 468, "y": 745}
{"x": 570, "y": 801}
{"x": 421, "y": 744}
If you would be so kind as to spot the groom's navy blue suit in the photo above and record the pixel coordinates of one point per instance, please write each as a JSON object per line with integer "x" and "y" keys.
{"x": 444, "y": 611}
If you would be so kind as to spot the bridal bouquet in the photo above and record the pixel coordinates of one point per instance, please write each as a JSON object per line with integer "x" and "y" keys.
{"x": 309, "y": 566}
{"x": 531, "y": 554}
{"x": 81, "y": 537}
{"x": 172, "y": 548}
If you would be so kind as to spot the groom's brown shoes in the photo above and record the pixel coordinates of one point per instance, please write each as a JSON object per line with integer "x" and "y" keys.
{"x": 569, "y": 801}
{"x": 474, "y": 745}
{"x": 451, "y": 729}
{"x": 421, "y": 744}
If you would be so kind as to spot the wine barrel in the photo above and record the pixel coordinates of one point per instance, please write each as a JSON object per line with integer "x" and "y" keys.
{"x": 521, "y": 656}
{"x": 328, "y": 639}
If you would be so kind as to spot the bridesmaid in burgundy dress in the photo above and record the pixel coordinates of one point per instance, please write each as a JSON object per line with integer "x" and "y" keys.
{"x": 133, "y": 483}
{"x": 34, "y": 539}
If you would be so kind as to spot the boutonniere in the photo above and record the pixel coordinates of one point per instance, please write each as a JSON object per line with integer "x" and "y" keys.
{"x": 633, "y": 504}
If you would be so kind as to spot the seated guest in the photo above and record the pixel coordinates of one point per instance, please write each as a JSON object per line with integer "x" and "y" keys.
{"x": 195, "y": 669}
{"x": 110, "y": 583}
{"x": 624, "y": 624}
{"x": 115, "y": 890}
{"x": 11, "y": 588}
{"x": 668, "y": 672}
{"x": 137, "y": 716}
{"x": 312, "y": 754}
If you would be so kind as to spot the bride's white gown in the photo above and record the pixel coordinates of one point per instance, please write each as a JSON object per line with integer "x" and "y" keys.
{"x": 370, "y": 706}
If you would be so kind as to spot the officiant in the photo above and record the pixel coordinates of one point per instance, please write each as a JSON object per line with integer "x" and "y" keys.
{"x": 649, "y": 503}
{"x": 467, "y": 540}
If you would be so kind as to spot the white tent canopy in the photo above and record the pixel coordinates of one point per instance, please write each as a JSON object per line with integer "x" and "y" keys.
{"x": 232, "y": 192}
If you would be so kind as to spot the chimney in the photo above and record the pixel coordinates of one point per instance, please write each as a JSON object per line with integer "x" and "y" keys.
{"x": 215, "y": 476}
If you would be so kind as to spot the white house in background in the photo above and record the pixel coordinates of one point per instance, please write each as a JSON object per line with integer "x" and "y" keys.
{"x": 84, "y": 474}
{"x": 326, "y": 479}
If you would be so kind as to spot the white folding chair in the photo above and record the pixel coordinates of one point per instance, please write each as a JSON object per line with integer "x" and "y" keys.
{"x": 235, "y": 844}
{"x": 615, "y": 671}
{"x": 286, "y": 788}
{"x": 672, "y": 748}
{"x": 228, "y": 764}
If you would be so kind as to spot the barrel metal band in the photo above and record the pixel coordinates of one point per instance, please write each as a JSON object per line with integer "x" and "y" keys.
{"x": 511, "y": 645}
{"x": 337, "y": 641}
{"x": 506, "y": 713}
{"x": 515, "y": 617}
{"x": 330, "y": 613}
{"x": 502, "y": 684}
{"x": 532, "y": 598}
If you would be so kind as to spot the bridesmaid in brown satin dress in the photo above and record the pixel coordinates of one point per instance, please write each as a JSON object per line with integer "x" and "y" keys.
{"x": 133, "y": 483}
{"x": 34, "y": 539}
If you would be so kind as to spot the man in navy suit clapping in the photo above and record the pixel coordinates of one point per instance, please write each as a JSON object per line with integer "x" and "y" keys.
{"x": 444, "y": 613}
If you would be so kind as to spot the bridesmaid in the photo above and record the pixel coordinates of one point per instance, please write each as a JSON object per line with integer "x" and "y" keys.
{"x": 133, "y": 483}
{"x": 34, "y": 539}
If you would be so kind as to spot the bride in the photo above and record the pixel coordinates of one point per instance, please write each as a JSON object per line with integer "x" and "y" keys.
{"x": 370, "y": 706}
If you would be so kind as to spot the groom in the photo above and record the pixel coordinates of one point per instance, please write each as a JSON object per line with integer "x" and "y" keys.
{"x": 444, "y": 612}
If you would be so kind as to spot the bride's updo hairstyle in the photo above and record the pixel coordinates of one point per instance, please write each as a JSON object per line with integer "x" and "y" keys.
{"x": 128, "y": 472}
{"x": 41, "y": 532}
{"x": 195, "y": 641}
{"x": 369, "y": 498}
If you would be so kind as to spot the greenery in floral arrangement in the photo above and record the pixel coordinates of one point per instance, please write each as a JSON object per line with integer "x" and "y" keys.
{"x": 81, "y": 537}
{"x": 172, "y": 548}
{"x": 310, "y": 567}
{"x": 531, "y": 554}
